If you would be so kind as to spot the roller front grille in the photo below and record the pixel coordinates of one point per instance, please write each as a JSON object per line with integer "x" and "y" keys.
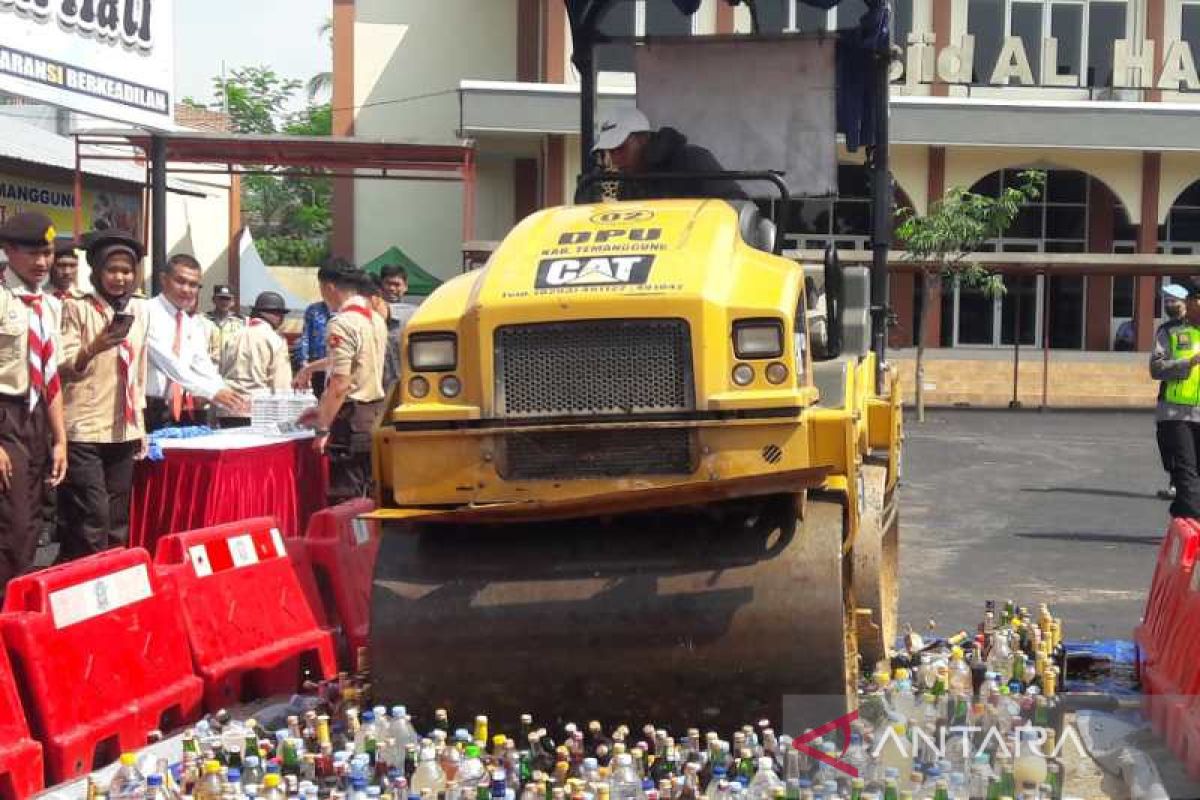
{"x": 556, "y": 455}
{"x": 594, "y": 368}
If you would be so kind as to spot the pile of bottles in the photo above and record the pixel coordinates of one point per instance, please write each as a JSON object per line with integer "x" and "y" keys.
{"x": 995, "y": 694}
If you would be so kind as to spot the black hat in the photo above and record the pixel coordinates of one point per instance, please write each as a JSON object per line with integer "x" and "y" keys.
{"x": 1192, "y": 285}
{"x": 29, "y": 228}
{"x": 270, "y": 301}
{"x": 221, "y": 290}
{"x": 102, "y": 244}
{"x": 64, "y": 246}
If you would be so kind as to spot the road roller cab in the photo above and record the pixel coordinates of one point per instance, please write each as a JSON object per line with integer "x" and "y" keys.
{"x": 626, "y": 471}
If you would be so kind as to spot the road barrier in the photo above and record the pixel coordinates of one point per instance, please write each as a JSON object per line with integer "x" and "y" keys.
{"x": 101, "y": 658}
{"x": 253, "y": 626}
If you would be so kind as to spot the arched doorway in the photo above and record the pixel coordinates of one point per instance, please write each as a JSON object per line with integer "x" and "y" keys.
{"x": 1071, "y": 216}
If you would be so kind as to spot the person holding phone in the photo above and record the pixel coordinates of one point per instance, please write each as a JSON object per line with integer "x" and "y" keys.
{"x": 104, "y": 385}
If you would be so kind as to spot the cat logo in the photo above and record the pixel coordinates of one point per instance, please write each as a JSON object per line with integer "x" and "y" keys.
{"x": 554, "y": 273}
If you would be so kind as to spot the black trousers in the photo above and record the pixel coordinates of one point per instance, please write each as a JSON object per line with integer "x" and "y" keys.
{"x": 158, "y": 416}
{"x": 349, "y": 451}
{"x": 1179, "y": 444}
{"x": 25, "y": 439}
{"x": 93, "y": 501}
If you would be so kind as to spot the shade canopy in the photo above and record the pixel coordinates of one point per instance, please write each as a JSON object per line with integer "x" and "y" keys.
{"x": 420, "y": 282}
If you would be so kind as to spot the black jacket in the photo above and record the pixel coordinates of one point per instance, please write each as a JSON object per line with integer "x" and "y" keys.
{"x": 668, "y": 151}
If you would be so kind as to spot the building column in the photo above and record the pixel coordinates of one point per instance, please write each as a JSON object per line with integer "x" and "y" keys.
{"x": 342, "y": 239}
{"x": 725, "y": 21}
{"x": 941, "y": 20}
{"x": 1143, "y": 295}
{"x": 937, "y": 188}
{"x": 1098, "y": 303}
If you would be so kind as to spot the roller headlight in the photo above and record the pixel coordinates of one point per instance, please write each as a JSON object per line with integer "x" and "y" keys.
{"x": 450, "y": 386}
{"x": 743, "y": 374}
{"x": 758, "y": 338}
{"x": 776, "y": 373}
{"x": 418, "y": 387}
{"x": 433, "y": 352}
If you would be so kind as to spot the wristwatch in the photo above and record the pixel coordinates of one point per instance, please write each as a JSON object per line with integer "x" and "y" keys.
{"x": 321, "y": 431}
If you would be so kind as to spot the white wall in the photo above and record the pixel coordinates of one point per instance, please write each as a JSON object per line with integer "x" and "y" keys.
{"x": 200, "y": 226}
{"x": 406, "y": 48}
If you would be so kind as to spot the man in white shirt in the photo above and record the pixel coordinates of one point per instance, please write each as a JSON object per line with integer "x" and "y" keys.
{"x": 178, "y": 348}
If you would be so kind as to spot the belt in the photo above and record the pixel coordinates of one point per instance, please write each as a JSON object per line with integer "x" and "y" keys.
{"x": 14, "y": 398}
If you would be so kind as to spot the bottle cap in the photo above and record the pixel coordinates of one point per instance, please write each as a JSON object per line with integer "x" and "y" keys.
{"x": 499, "y": 740}
{"x": 956, "y": 652}
{"x": 128, "y": 759}
{"x": 271, "y": 780}
{"x": 154, "y": 780}
{"x": 472, "y": 751}
{"x": 209, "y": 766}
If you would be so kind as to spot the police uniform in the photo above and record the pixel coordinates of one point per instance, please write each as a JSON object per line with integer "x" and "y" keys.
{"x": 1178, "y": 412}
{"x": 356, "y": 341}
{"x": 256, "y": 359}
{"x": 223, "y": 330}
{"x": 104, "y": 406}
{"x": 25, "y": 430}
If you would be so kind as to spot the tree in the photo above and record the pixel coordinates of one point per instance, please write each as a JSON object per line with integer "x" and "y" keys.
{"x": 290, "y": 215}
{"x": 943, "y": 241}
{"x": 322, "y": 83}
{"x": 256, "y": 98}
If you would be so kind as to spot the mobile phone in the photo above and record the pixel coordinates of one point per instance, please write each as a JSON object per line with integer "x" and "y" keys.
{"x": 121, "y": 323}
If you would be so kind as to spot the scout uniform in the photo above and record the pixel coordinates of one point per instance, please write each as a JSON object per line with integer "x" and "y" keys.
{"x": 356, "y": 342}
{"x": 256, "y": 359}
{"x": 65, "y": 247}
{"x": 104, "y": 407}
{"x": 29, "y": 382}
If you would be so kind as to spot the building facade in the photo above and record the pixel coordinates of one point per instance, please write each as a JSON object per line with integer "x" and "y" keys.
{"x": 1101, "y": 94}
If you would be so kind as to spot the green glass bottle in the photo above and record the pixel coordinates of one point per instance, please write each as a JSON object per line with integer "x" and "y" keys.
{"x": 857, "y": 786}
{"x": 941, "y": 791}
{"x": 891, "y": 791}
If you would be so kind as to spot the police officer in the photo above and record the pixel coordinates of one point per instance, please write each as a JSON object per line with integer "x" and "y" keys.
{"x": 257, "y": 357}
{"x": 33, "y": 441}
{"x": 226, "y": 322}
{"x": 353, "y": 397}
{"x": 1175, "y": 360}
{"x": 104, "y": 363}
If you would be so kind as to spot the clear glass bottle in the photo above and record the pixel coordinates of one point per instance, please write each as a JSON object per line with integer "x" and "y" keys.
{"x": 128, "y": 783}
{"x": 765, "y": 781}
{"x": 210, "y": 784}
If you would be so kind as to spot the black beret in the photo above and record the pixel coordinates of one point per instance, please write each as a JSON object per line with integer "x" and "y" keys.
{"x": 29, "y": 228}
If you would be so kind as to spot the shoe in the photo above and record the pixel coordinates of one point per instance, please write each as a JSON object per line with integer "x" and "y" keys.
{"x": 1167, "y": 493}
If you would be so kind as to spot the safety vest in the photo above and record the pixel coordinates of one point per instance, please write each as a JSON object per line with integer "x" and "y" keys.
{"x": 1185, "y": 343}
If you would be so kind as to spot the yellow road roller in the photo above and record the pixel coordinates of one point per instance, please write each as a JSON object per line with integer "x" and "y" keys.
{"x": 641, "y": 466}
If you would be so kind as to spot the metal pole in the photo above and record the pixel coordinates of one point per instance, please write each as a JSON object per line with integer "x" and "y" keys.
{"x": 1046, "y": 343}
{"x": 78, "y": 218}
{"x": 1016, "y": 402}
{"x": 881, "y": 226}
{"x": 586, "y": 64}
{"x": 158, "y": 208}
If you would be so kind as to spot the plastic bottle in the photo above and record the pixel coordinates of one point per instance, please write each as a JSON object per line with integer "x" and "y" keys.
{"x": 428, "y": 774}
{"x": 765, "y": 782}
{"x": 156, "y": 790}
{"x": 271, "y": 788}
{"x": 128, "y": 783}
{"x": 718, "y": 775}
{"x": 210, "y": 785}
{"x": 1030, "y": 765}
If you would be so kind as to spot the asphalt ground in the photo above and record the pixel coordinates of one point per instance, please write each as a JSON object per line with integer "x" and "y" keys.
{"x": 1054, "y": 507}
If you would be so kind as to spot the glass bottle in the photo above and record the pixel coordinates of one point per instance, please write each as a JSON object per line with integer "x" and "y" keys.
{"x": 128, "y": 782}
{"x": 210, "y": 784}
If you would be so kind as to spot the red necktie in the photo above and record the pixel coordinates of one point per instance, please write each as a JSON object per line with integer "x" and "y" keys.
{"x": 43, "y": 365}
{"x": 176, "y": 348}
{"x": 125, "y": 360}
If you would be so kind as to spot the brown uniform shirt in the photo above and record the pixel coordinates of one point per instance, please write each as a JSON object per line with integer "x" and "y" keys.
{"x": 256, "y": 359}
{"x": 356, "y": 341}
{"x": 94, "y": 400}
{"x": 14, "y": 334}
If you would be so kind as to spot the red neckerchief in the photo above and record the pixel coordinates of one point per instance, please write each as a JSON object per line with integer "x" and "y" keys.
{"x": 357, "y": 309}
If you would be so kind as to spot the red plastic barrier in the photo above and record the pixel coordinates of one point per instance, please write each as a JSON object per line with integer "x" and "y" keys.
{"x": 20, "y": 756}
{"x": 1182, "y": 710}
{"x": 101, "y": 657}
{"x": 1162, "y": 639}
{"x": 342, "y": 549}
{"x": 250, "y": 621}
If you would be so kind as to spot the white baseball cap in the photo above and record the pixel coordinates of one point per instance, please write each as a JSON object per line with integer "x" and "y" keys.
{"x": 1175, "y": 290}
{"x": 616, "y": 126}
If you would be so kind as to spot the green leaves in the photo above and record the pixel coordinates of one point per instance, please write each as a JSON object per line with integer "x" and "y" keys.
{"x": 959, "y": 224}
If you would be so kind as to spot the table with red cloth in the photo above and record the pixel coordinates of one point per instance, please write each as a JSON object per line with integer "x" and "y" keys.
{"x": 226, "y": 477}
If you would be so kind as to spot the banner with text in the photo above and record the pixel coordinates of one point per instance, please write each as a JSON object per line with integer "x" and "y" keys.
{"x": 109, "y": 58}
{"x": 102, "y": 210}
